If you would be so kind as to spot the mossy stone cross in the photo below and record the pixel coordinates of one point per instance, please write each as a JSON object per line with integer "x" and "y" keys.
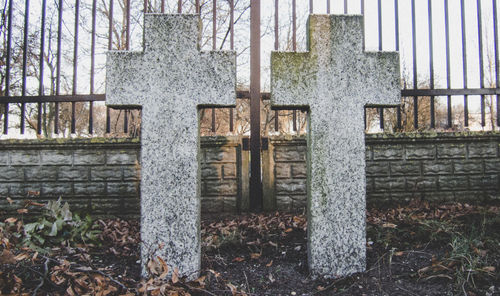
{"x": 335, "y": 79}
{"x": 170, "y": 78}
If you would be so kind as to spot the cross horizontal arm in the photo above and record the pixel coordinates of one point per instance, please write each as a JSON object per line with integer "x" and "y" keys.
{"x": 383, "y": 83}
{"x": 293, "y": 78}
{"x": 122, "y": 81}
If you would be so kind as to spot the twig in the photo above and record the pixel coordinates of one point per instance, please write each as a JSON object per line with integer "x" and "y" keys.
{"x": 328, "y": 287}
{"x": 410, "y": 292}
{"x": 246, "y": 279}
{"x": 103, "y": 274}
{"x": 42, "y": 279}
{"x": 198, "y": 289}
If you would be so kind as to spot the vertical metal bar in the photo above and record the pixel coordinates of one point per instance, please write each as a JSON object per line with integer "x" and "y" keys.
{"x": 162, "y": 6}
{"x": 379, "y": 24}
{"x": 125, "y": 120}
{"x": 294, "y": 25}
{"x": 398, "y": 117}
{"x": 231, "y": 19}
{"x": 92, "y": 66}
{"x": 276, "y": 27}
{"x": 448, "y": 69}
{"x": 231, "y": 120}
{"x": 345, "y": 7}
{"x": 363, "y": 6}
{"x": 213, "y": 120}
{"x": 364, "y": 118}
{"x": 381, "y": 115}
{"x": 7, "y": 69}
{"x": 110, "y": 25}
{"x": 108, "y": 120}
{"x": 40, "y": 86}
{"x": 127, "y": 41}
{"x": 146, "y": 6}
{"x": 75, "y": 66}
{"x": 179, "y": 6}
{"x": 294, "y": 117}
{"x": 481, "y": 61}
{"x": 25, "y": 61}
{"x": 256, "y": 201}
{"x": 294, "y": 47}
{"x": 415, "y": 72}
{"x": 396, "y": 24}
{"x": 311, "y": 7}
{"x": 495, "y": 38}
{"x": 58, "y": 68}
{"x": 110, "y": 46}
{"x": 464, "y": 62}
{"x": 431, "y": 62}
{"x": 214, "y": 46}
{"x": 276, "y": 120}
{"x": 214, "y": 24}
{"x": 328, "y": 6}
{"x": 197, "y": 6}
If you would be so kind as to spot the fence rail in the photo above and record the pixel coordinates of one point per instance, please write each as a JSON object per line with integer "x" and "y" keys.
{"x": 47, "y": 56}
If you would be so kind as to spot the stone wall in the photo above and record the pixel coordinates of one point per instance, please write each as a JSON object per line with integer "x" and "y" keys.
{"x": 220, "y": 174}
{"x": 463, "y": 167}
{"x": 101, "y": 176}
{"x": 290, "y": 173}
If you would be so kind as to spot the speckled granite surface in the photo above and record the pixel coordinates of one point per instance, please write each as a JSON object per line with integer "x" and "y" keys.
{"x": 169, "y": 79}
{"x": 336, "y": 78}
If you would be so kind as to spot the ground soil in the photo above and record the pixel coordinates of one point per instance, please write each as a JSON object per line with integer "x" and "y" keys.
{"x": 412, "y": 250}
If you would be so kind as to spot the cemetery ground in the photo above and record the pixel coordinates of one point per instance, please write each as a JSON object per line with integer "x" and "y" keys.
{"x": 417, "y": 249}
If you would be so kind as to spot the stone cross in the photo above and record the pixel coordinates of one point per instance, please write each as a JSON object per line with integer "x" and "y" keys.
{"x": 170, "y": 78}
{"x": 335, "y": 79}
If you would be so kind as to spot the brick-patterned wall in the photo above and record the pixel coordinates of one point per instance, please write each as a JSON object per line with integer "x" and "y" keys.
{"x": 220, "y": 186}
{"x": 290, "y": 173}
{"x": 101, "y": 176}
{"x": 97, "y": 176}
{"x": 443, "y": 167}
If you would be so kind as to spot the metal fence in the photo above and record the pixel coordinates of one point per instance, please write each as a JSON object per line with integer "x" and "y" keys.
{"x": 52, "y": 56}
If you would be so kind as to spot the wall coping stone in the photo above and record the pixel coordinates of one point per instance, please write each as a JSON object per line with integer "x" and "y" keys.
{"x": 65, "y": 143}
{"x": 429, "y": 136}
{"x": 210, "y": 141}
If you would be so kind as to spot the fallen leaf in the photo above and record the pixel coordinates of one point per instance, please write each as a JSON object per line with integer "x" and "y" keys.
{"x": 21, "y": 256}
{"x": 488, "y": 269}
{"x": 234, "y": 291}
{"x": 238, "y": 259}
{"x": 255, "y": 255}
{"x": 201, "y": 280}
{"x": 164, "y": 267}
{"x": 269, "y": 264}
{"x": 389, "y": 225}
{"x": 17, "y": 279}
{"x": 10, "y": 220}
{"x": 7, "y": 257}
{"x": 271, "y": 278}
{"x": 22, "y": 211}
{"x": 175, "y": 275}
{"x": 289, "y": 230}
{"x": 9, "y": 200}
{"x": 400, "y": 253}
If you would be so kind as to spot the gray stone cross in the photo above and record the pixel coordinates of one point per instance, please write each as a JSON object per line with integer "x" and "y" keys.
{"x": 336, "y": 78}
{"x": 170, "y": 79}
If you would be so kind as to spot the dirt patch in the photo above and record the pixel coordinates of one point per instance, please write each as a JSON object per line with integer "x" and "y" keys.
{"x": 413, "y": 250}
